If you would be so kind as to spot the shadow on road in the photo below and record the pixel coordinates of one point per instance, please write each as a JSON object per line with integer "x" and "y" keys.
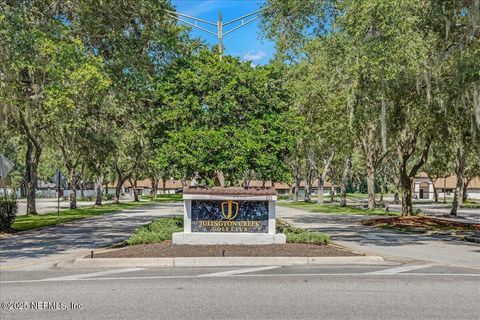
{"x": 87, "y": 233}
{"x": 349, "y": 228}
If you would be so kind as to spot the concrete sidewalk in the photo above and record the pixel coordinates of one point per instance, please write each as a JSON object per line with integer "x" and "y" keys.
{"x": 347, "y": 231}
{"x": 47, "y": 246}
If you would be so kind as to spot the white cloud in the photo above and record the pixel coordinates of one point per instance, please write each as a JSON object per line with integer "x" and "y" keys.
{"x": 199, "y": 8}
{"x": 254, "y": 55}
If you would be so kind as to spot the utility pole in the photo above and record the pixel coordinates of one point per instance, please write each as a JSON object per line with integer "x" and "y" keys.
{"x": 220, "y": 34}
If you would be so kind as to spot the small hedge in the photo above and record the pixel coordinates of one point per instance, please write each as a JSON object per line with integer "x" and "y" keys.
{"x": 8, "y": 212}
{"x": 156, "y": 231}
{"x": 298, "y": 235}
{"x": 162, "y": 229}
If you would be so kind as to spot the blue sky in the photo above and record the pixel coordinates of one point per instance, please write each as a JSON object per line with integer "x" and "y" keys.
{"x": 245, "y": 42}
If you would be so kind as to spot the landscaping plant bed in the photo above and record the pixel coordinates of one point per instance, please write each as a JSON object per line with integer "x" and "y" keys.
{"x": 168, "y": 250}
{"x": 420, "y": 224}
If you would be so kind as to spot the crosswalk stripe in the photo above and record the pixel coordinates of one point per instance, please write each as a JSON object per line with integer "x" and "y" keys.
{"x": 401, "y": 269}
{"x": 92, "y": 274}
{"x": 238, "y": 271}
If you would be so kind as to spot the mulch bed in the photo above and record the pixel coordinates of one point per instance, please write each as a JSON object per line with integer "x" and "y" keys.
{"x": 421, "y": 222}
{"x": 168, "y": 250}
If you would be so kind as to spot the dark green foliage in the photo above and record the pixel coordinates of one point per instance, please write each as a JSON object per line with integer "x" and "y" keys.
{"x": 8, "y": 211}
{"x": 224, "y": 115}
{"x": 298, "y": 235}
{"x": 156, "y": 231}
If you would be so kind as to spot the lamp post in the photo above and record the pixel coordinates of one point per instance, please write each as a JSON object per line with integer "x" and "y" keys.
{"x": 220, "y": 34}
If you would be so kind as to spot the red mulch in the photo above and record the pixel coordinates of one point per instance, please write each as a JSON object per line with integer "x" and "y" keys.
{"x": 167, "y": 249}
{"x": 428, "y": 223}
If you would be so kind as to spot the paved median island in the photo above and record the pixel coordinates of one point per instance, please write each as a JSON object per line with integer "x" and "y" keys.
{"x": 224, "y": 227}
{"x": 166, "y": 254}
{"x": 168, "y": 250}
{"x": 151, "y": 246}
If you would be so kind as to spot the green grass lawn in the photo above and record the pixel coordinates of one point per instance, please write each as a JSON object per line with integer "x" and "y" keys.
{"x": 328, "y": 208}
{"x": 357, "y": 196}
{"x": 165, "y": 197}
{"x": 471, "y": 206}
{"x": 23, "y": 223}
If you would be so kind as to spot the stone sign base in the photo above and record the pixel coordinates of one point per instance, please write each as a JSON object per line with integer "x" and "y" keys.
{"x": 202, "y": 238}
{"x": 229, "y": 215}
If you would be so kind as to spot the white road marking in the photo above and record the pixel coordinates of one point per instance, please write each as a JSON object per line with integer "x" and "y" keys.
{"x": 260, "y": 275}
{"x": 238, "y": 271}
{"x": 401, "y": 269}
{"x": 92, "y": 274}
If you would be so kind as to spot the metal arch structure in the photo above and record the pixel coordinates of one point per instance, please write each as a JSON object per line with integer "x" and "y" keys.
{"x": 219, "y": 24}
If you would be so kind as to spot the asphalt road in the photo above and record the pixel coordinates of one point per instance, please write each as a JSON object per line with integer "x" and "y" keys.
{"x": 348, "y": 232}
{"x": 333, "y": 292}
{"x": 43, "y": 247}
{"x": 438, "y": 279}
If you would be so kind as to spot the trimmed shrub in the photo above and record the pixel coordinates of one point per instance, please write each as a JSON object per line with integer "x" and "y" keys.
{"x": 156, "y": 231}
{"x": 8, "y": 212}
{"x": 299, "y": 235}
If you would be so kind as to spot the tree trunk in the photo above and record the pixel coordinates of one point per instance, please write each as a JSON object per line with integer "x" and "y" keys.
{"x": 343, "y": 186}
{"x": 73, "y": 196}
{"x": 464, "y": 193}
{"x": 371, "y": 186}
{"x": 118, "y": 190}
{"x": 98, "y": 190}
{"x": 382, "y": 188}
{"x": 407, "y": 206}
{"x": 322, "y": 177}
{"x": 307, "y": 190}
{"x": 435, "y": 191}
{"x": 154, "y": 191}
{"x": 406, "y": 177}
{"x": 321, "y": 183}
{"x": 406, "y": 185}
{"x": 32, "y": 159}
{"x": 73, "y": 189}
{"x": 296, "y": 188}
{"x": 396, "y": 197}
{"x": 459, "y": 188}
{"x": 164, "y": 186}
{"x": 134, "y": 189}
{"x": 82, "y": 189}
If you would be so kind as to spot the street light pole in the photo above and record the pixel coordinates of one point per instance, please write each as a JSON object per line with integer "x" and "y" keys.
{"x": 220, "y": 34}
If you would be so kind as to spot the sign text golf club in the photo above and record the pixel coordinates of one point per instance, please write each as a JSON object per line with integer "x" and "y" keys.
{"x": 229, "y": 216}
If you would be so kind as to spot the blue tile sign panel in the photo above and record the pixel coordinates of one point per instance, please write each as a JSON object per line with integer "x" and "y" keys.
{"x": 229, "y": 216}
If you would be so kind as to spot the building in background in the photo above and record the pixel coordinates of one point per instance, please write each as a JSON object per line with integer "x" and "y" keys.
{"x": 424, "y": 187}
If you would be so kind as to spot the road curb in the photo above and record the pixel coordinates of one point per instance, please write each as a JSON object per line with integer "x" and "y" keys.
{"x": 219, "y": 261}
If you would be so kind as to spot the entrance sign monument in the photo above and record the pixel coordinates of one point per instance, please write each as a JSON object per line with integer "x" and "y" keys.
{"x": 229, "y": 215}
